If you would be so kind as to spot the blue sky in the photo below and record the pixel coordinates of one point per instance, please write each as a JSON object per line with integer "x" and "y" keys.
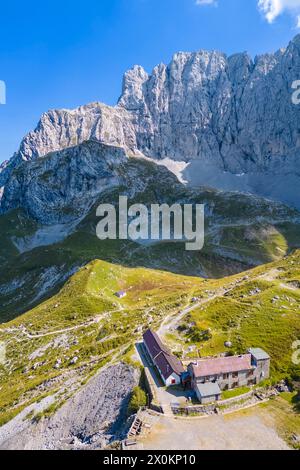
{"x": 56, "y": 54}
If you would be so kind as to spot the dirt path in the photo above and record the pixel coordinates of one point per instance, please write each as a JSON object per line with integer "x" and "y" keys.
{"x": 172, "y": 320}
{"x": 270, "y": 275}
{"x": 86, "y": 324}
{"x": 289, "y": 287}
{"x": 58, "y": 332}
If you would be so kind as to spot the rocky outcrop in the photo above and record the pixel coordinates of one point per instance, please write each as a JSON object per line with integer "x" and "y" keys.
{"x": 92, "y": 418}
{"x": 61, "y": 129}
{"x": 232, "y": 118}
{"x": 62, "y": 187}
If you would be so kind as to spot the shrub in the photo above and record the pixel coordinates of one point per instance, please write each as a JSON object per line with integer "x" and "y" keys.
{"x": 137, "y": 400}
{"x": 198, "y": 335}
{"x": 177, "y": 354}
{"x": 182, "y": 328}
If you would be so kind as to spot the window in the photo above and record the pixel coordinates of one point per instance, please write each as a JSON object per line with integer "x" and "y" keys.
{"x": 235, "y": 375}
{"x": 225, "y": 376}
{"x": 173, "y": 381}
{"x": 251, "y": 382}
{"x": 235, "y": 384}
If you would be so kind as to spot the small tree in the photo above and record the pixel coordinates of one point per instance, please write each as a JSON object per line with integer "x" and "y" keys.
{"x": 137, "y": 400}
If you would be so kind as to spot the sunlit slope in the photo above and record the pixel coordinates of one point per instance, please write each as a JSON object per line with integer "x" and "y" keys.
{"x": 241, "y": 231}
{"x": 85, "y": 321}
{"x": 85, "y": 325}
{"x": 260, "y": 308}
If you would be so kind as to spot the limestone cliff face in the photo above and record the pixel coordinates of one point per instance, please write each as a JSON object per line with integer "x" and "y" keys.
{"x": 63, "y": 185}
{"x": 231, "y": 118}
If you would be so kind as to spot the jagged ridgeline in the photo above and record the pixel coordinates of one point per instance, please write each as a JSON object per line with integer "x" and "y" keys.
{"x": 205, "y": 121}
{"x": 232, "y": 118}
{"x": 208, "y": 129}
{"x": 215, "y": 121}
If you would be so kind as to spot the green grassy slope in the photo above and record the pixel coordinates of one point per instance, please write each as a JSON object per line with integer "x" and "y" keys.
{"x": 260, "y": 308}
{"x": 241, "y": 231}
{"x": 85, "y": 320}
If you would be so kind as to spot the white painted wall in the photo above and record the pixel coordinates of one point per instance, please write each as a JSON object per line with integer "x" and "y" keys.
{"x": 172, "y": 377}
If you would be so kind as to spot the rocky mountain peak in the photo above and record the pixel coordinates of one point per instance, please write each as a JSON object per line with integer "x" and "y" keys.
{"x": 230, "y": 118}
{"x": 132, "y": 93}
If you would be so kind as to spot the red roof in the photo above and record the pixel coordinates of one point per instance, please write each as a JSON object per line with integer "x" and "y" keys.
{"x": 222, "y": 365}
{"x": 161, "y": 356}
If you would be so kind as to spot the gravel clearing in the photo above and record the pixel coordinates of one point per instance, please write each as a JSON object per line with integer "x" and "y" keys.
{"x": 248, "y": 432}
{"x": 93, "y": 417}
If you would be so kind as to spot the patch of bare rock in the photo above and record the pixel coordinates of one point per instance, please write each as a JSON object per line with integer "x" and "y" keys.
{"x": 94, "y": 417}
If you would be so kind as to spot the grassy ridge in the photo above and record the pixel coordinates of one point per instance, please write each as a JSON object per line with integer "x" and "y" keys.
{"x": 241, "y": 231}
{"x": 86, "y": 321}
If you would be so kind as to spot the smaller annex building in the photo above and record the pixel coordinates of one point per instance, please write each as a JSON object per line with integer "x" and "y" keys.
{"x": 169, "y": 366}
{"x": 208, "y": 392}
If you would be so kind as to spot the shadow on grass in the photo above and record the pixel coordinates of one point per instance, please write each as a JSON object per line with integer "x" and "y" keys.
{"x": 296, "y": 403}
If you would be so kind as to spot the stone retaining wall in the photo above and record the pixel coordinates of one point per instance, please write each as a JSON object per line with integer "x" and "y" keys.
{"x": 228, "y": 401}
{"x": 208, "y": 409}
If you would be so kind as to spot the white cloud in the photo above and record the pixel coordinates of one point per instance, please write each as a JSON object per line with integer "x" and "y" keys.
{"x": 271, "y": 9}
